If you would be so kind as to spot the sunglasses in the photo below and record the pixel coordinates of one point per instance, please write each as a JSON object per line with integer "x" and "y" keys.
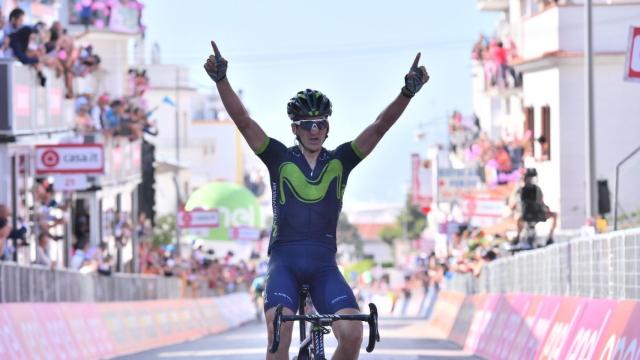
{"x": 307, "y": 125}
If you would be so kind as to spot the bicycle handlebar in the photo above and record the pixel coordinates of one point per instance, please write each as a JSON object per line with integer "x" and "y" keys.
{"x": 371, "y": 319}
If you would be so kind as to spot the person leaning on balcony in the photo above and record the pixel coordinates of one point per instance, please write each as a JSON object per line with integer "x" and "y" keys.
{"x": 19, "y": 37}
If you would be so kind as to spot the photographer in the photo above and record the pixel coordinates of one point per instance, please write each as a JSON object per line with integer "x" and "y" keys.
{"x": 532, "y": 208}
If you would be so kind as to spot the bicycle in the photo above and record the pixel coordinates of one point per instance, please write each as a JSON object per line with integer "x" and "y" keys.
{"x": 312, "y": 347}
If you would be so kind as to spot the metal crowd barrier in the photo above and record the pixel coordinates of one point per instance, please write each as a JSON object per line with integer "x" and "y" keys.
{"x": 38, "y": 284}
{"x": 599, "y": 266}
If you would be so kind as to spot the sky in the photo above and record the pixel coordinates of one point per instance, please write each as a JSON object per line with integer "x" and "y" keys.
{"x": 355, "y": 52}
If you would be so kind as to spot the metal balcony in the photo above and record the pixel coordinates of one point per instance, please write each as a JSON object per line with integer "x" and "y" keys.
{"x": 26, "y": 108}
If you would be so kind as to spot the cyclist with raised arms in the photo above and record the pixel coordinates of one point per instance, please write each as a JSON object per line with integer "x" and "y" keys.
{"x": 308, "y": 182}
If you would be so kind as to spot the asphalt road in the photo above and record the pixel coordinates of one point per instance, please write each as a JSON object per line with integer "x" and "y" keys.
{"x": 401, "y": 339}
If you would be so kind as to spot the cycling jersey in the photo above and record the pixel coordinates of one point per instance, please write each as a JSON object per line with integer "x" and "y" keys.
{"x": 307, "y": 202}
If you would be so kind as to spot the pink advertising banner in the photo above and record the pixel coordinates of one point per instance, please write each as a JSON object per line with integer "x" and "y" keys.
{"x": 621, "y": 336}
{"x": 584, "y": 335}
{"x": 569, "y": 313}
{"x": 481, "y": 320}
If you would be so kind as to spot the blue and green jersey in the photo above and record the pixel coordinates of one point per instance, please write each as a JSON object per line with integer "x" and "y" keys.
{"x": 307, "y": 202}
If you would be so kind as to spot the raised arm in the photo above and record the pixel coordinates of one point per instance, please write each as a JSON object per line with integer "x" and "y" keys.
{"x": 216, "y": 67}
{"x": 369, "y": 138}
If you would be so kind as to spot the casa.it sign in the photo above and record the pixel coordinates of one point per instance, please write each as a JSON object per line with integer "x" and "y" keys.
{"x": 70, "y": 159}
{"x": 198, "y": 219}
{"x": 632, "y": 68}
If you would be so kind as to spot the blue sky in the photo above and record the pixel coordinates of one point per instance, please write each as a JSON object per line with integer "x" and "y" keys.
{"x": 356, "y": 52}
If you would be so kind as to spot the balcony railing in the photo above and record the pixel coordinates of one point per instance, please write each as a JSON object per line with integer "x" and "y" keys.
{"x": 28, "y": 108}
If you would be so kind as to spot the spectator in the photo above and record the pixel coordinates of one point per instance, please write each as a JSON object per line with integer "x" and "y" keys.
{"x": 19, "y": 37}
{"x": 532, "y": 206}
{"x": 82, "y": 227}
{"x": 4, "y": 38}
{"x": 99, "y": 112}
{"x": 79, "y": 63}
{"x": 114, "y": 116}
{"x": 42, "y": 252}
{"x": 79, "y": 257}
{"x": 105, "y": 267}
{"x": 5, "y": 229}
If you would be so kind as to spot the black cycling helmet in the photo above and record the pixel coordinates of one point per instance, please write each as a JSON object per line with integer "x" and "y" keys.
{"x": 531, "y": 172}
{"x": 308, "y": 103}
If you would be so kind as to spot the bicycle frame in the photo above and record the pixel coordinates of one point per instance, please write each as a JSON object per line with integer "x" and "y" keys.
{"x": 313, "y": 347}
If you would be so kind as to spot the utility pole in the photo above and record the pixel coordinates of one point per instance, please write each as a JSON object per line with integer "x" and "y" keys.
{"x": 177, "y": 170}
{"x": 590, "y": 178}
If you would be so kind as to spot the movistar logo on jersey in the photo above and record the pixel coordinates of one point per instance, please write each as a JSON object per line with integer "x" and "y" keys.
{"x": 310, "y": 191}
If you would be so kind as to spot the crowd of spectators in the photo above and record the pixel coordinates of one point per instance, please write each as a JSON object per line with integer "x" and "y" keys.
{"x": 40, "y": 45}
{"x": 203, "y": 273}
{"x": 498, "y": 161}
{"x": 127, "y": 116}
{"x": 496, "y": 58}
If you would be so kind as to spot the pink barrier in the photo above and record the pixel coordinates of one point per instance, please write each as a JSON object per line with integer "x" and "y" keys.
{"x": 621, "y": 336}
{"x": 101, "y": 330}
{"x": 519, "y": 326}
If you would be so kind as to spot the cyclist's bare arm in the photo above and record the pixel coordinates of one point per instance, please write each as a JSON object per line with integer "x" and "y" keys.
{"x": 369, "y": 138}
{"x": 216, "y": 67}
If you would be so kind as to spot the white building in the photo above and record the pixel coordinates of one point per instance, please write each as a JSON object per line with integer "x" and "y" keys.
{"x": 550, "y": 42}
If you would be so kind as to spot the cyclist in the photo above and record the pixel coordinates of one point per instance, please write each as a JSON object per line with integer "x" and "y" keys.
{"x": 308, "y": 182}
{"x": 532, "y": 207}
{"x": 257, "y": 289}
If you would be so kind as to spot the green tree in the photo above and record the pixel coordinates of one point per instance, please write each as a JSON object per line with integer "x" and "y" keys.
{"x": 165, "y": 230}
{"x": 389, "y": 233}
{"x": 347, "y": 233}
{"x": 412, "y": 220}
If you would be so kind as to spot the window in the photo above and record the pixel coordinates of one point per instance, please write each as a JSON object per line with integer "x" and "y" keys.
{"x": 528, "y": 129}
{"x": 545, "y": 136}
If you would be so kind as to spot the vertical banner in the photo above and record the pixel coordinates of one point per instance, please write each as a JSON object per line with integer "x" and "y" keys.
{"x": 632, "y": 65}
{"x": 421, "y": 180}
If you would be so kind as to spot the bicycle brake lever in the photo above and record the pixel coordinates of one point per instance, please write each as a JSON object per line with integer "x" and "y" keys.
{"x": 277, "y": 321}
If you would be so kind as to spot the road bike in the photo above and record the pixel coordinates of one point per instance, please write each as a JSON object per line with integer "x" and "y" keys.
{"x": 312, "y": 346}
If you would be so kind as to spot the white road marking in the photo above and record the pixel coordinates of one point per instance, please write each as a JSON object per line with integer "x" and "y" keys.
{"x": 260, "y": 351}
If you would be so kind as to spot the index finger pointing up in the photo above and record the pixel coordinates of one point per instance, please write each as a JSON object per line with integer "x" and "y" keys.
{"x": 415, "y": 62}
{"x": 216, "y": 52}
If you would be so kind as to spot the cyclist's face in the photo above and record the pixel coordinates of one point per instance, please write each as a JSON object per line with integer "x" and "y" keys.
{"x": 311, "y": 132}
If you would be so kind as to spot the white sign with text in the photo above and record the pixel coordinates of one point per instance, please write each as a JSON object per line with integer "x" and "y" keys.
{"x": 70, "y": 159}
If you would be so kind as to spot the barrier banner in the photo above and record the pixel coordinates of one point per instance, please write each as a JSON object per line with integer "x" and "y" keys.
{"x": 446, "y": 310}
{"x": 525, "y": 331}
{"x": 103, "y": 330}
{"x": 35, "y": 343}
{"x": 515, "y": 308}
{"x": 211, "y": 316}
{"x": 236, "y": 308}
{"x": 88, "y": 330}
{"x": 549, "y": 309}
{"x": 584, "y": 335}
{"x": 621, "y": 336}
{"x": 493, "y": 331}
{"x": 60, "y": 337}
{"x": 11, "y": 346}
{"x": 569, "y": 312}
{"x": 462, "y": 324}
{"x": 519, "y": 326}
{"x": 481, "y": 320}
